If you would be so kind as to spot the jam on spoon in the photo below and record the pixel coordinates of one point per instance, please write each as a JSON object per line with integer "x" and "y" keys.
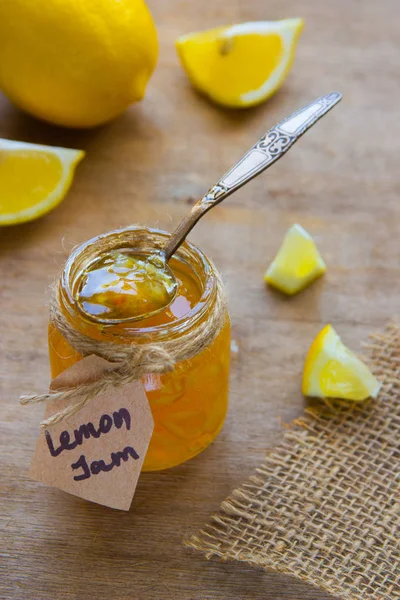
{"x": 121, "y": 285}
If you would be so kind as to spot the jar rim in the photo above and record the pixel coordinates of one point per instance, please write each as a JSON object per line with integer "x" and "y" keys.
{"x": 187, "y": 253}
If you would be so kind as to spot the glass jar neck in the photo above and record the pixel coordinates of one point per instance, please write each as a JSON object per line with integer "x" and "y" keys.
{"x": 143, "y": 240}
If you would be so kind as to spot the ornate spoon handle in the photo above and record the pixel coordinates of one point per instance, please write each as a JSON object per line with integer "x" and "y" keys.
{"x": 274, "y": 144}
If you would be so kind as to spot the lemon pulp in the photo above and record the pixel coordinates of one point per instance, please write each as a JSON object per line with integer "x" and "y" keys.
{"x": 297, "y": 263}
{"x": 332, "y": 371}
{"x": 240, "y": 65}
{"x": 33, "y": 179}
{"x": 26, "y": 177}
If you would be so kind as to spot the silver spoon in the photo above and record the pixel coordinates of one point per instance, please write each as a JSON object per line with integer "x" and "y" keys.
{"x": 270, "y": 148}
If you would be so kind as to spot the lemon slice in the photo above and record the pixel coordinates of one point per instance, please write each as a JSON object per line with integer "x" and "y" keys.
{"x": 297, "y": 263}
{"x": 332, "y": 371}
{"x": 240, "y": 65}
{"x": 33, "y": 179}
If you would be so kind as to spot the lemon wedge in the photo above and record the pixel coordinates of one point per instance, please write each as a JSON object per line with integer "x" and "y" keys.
{"x": 33, "y": 179}
{"x": 240, "y": 65}
{"x": 297, "y": 263}
{"x": 332, "y": 371}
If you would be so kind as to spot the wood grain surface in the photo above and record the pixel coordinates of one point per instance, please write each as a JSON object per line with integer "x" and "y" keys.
{"x": 341, "y": 182}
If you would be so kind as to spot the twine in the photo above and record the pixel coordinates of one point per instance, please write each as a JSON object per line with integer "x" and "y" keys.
{"x": 128, "y": 362}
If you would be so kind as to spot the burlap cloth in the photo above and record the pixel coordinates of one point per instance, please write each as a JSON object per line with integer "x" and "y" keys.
{"x": 325, "y": 506}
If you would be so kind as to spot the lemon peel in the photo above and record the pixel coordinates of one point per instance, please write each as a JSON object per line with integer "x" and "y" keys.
{"x": 76, "y": 63}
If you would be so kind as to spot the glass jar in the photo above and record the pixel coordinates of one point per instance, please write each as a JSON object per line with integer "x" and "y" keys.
{"x": 189, "y": 404}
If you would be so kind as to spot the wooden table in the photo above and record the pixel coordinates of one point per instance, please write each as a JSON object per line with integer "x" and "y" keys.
{"x": 340, "y": 182}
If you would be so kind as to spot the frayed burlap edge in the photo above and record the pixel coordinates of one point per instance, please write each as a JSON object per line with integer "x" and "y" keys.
{"x": 324, "y": 507}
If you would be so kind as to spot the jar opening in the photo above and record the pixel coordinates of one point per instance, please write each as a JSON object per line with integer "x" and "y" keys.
{"x": 143, "y": 240}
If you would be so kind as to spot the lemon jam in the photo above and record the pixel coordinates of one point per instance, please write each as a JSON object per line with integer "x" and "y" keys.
{"x": 189, "y": 404}
{"x": 122, "y": 285}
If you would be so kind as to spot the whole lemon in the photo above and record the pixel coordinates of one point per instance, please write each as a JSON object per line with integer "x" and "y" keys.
{"x": 77, "y": 63}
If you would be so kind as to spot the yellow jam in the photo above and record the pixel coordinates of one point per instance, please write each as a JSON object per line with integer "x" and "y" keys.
{"x": 122, "y": 285}
{"x": 188, "y": 404}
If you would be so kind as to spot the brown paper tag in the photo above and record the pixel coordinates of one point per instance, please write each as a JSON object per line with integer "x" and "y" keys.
{"x": 96, "y": 454}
